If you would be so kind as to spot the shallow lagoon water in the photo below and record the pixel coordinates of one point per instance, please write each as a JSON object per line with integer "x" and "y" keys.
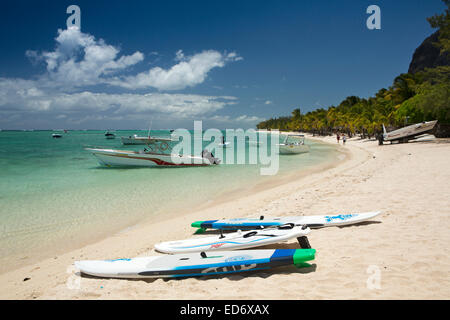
{"x": 54, "y": 195}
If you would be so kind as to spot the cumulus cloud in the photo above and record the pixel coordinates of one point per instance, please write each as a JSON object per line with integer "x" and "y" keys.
{"x": 188, "y": 72}
{"x": 80, "y": 61}
{"x": 21, "y": 96}
{"x": 243, "y": 119}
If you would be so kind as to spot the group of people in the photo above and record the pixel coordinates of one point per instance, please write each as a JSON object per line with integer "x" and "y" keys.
{"x": 338, "y": 137}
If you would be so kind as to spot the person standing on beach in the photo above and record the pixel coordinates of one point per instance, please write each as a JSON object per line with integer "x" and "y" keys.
{"x": 344, "y": 138}
{"x": 338, "y": 137}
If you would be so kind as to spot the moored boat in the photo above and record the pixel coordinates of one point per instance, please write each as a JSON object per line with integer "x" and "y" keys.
{"x": 111, "y": 157}
{"x": 136, "y": 140}
{"x": 110, "y": 135}
{"x": 293, "y": 144}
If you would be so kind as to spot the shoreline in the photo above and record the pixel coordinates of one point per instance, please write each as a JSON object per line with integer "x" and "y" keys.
{"x": 224, "y": 204}
{"x": 365, "y": 181}
{"x": 17, "y": 260}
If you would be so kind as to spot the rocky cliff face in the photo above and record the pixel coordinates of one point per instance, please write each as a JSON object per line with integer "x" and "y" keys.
{"x": 427, "y": 55}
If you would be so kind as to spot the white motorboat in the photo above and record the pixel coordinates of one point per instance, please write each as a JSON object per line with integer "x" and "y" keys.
{"x": 135, "y": 139}
{"x": 407, "y": 133}
{"x": 57, "y": 135}
{"x": 154, "y": 156}
{"x": 293, "y": 144}
{"x": 111, "y": 157}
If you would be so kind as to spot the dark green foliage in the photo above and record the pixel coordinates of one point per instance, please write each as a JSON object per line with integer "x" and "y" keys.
{"x": 420, "y": 96}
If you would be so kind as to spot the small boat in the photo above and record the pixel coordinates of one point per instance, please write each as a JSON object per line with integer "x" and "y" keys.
{"x": 407, "y": 133}
{"x": 111, "y": 157}
{"x": 223, "y": 144}
{"x": 135, "y": 139}
{"x": 110, "y": 135}
{"x": 196, "y": 264}
{"x": 293, "y": 144}
{"x": 154, "y": 156}
{"x": 57, "y": 135}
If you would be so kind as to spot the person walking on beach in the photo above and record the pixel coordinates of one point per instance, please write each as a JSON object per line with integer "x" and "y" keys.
{"x": 344, "y": 138}
{"x": 338, "y": 137}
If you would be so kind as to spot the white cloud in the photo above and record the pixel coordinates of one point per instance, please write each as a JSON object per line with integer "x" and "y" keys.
{"x": 17, "y": 92}
{"x": 80, "y": 60}
{"x": 239, "y": 119}
{"x": 188, "y": 72}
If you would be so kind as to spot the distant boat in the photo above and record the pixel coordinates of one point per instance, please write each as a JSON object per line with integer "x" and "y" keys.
{"x": 223, "y": 144}
{"x": 293, "y": 144}
{"x": 407, "y": 133}
{"x": 57, "y": 135}
{"x": 135, "y": 139}
{"x": 110, "y": 135}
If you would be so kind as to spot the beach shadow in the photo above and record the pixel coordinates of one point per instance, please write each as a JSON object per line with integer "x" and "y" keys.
{"x": 359, "y": 224}
{"x": 214, "y": 232}
{"x": 87, "y": 276}
{"x": 424, "y": 141}
{"x": 262, "y": 274}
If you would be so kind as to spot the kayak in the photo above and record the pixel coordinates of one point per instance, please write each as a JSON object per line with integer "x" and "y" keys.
{"x": 235, "y": 240}
{"x": 263, "y": 222}
{"x": 196, "y": 264}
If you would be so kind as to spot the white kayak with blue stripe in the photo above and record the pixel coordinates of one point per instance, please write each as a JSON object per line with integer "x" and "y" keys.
{"x": 235, "y": 240}
{"x": 340, "y": 219}
{"x": 196, "y": 264}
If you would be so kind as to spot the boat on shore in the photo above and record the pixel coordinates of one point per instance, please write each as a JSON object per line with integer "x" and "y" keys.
{"x": 407, "y": 133}
{"x": 293, "y": 144}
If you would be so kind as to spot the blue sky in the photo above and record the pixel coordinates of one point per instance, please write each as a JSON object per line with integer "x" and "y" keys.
{"x": 228, "y": 63}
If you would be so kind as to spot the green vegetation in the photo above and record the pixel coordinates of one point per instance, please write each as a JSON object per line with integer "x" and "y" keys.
{"x": 422, "y": 96}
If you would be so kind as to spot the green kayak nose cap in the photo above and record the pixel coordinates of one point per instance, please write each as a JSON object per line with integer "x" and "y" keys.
{"x": 197, "y": 224}
{"x": 302, "y": 255}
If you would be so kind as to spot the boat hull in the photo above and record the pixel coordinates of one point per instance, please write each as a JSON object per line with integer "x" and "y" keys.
{"x": 410, "y": 132}
{"x": 135, "y": 140}
{"x": 109, "y": 157}
{"x": 293, "y": 149}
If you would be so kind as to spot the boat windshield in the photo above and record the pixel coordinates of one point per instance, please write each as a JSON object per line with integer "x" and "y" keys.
{"x": 294, "y": 139}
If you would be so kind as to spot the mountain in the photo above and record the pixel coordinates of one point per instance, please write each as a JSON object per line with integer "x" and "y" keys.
{"x": 428, "y": 55}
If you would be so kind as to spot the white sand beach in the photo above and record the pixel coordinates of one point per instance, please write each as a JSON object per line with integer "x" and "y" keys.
{"x": 407, "y": 245}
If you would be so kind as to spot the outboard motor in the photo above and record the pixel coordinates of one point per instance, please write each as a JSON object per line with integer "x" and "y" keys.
{"x": 208, "y": 155}
{"x": 380, "y": 139}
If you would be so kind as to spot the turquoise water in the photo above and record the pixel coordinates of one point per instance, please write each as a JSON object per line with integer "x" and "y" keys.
{"x": 54, "y": 195}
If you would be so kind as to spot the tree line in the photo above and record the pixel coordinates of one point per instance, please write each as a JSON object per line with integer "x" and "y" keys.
{"x": 412, "y": 98}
